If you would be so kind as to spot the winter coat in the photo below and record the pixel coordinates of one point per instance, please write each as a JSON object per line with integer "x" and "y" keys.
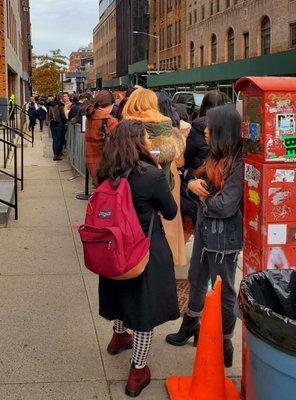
{"x": 41, "y": 113}
{"x": 196, "y": 146}
{"x": 57, "y": 115}
{"x": 150, "y": 299}
{"x": 74, "y": 110}
{"x": 99, "y": 124}
{"x": 32, "y": 114}
{"x": 219, "y": 218}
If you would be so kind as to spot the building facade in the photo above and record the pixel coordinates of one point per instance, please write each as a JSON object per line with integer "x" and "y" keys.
{"x": 220, "y": 31}
{"x": 76, "y": 57}
{"x": 104, "y": 42}
{"x": 228, "y": 39}
{"x": 15, "y": 51}
{"x": 168, "y": 22}
{"x": 132, "y": 27}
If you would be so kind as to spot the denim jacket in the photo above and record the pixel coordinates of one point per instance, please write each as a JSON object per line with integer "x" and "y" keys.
{"x": 220, "y": 216}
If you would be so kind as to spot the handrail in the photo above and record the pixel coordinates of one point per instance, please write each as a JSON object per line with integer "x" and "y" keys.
{"x": 15, "y": 177}
{"x": 15, "y": 111}
{"x": 8, "y": 145}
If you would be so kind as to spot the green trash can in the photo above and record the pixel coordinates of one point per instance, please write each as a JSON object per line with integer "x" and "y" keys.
{"x": 267, "y": 302}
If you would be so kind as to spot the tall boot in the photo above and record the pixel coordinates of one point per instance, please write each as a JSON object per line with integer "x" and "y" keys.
{"x": 189, "y": 328}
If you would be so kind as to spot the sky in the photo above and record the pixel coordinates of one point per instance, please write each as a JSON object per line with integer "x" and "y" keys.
{"x": 62, "y": 24}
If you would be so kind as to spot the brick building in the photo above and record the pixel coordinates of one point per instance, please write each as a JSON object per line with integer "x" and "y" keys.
{"x": 219, "y": 31}
{"x": 76, "y": 57}
{"x": 227, "y": 39}
{"x": 168, "y": 21}
{"x": 104, "y": 42}
{"x": 15, "y": 51}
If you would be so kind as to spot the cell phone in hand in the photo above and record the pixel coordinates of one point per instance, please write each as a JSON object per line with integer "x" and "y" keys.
{"x": 155, "y": 154}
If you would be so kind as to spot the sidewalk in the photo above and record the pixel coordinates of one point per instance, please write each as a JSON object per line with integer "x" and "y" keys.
{"x": 52, "y": 341}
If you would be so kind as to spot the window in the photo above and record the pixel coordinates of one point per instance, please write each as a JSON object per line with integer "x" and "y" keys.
{"x": 265, "y": 36}
{"x": 212, "y": 7}
{"x": 218, "y": 6}
{"x": 230, "y": 45}
{"x": 234, "y": 2}
{"x": 201, "y": 56}
{"x": 293, "y": 35}
{"x": 214, "y": 49}
{"x": 227, "y": 3}
{"x": 203, "y": 13}
{"x": 195, "y": 16}
{"x": 190, "y": 18}
{"x": 246, "y": 45}
{"x": 192, "y": 55}
{"x": 170, "y": 36}
{"x": 170, "y": 5}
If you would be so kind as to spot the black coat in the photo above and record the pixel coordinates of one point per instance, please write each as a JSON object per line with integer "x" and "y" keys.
{"x": 151, "y": 299}
{"x": 196, "y": 146}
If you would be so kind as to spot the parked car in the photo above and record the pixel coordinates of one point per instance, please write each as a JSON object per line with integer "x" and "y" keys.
{"x": 192, "y": 100}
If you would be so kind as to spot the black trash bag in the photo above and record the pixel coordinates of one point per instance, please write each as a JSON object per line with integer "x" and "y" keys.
{"x": 267, "y": 302}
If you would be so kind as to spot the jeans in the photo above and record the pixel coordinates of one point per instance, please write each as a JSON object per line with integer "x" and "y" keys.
{"x": 204, "y": 267}
{"x": 41, "y": 122}
{"x": 57, "y": 139}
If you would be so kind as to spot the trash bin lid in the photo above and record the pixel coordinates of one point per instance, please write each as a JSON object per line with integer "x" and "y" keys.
{"x": 267, "y": 301}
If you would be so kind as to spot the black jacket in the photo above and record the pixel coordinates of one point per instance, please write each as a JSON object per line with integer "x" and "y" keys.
{"x": 196, "y": 146}
{"x": 150, "y": 299}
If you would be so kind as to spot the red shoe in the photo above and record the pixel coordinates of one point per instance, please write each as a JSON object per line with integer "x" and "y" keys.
{"x": 138, "y": 379}
{"x": 119, "y": 343}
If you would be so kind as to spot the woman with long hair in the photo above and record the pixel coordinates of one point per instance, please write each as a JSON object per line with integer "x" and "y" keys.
{"x": 142, "y": 303}
{"x": 197, "y": 148}
{"x": 99, "y": 125}
{"x": 142, "y": 105}
{"x": 166, "y": 108}
{"x": 218, "y": 236}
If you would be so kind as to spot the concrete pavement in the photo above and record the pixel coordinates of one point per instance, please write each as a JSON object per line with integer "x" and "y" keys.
{"x": 52, "y": 341}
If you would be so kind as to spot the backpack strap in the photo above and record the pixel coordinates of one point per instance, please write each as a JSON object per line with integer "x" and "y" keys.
{"x": 151, "y": 224}
{"x": 105, "y": 129}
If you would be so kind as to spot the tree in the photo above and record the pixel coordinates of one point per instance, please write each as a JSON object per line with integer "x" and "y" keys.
{"x": 46, "y": 77}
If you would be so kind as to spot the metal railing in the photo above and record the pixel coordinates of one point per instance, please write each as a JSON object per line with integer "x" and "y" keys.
{"x": 8, "y": 137}
{"x": 76, "y": 154}
{"x": 15, "y": 178}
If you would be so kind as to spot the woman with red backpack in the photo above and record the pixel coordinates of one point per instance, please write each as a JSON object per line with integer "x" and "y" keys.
{"x": 142, "y": 303}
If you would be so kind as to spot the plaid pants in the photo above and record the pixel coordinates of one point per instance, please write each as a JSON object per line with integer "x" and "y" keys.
{"x": 141, "y": 344}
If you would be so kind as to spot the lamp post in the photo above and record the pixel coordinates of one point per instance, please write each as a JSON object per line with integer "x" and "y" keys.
{"x": 158, "y": 46}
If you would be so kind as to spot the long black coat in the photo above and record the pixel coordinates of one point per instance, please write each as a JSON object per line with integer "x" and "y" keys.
{"x": 151, "y": 299}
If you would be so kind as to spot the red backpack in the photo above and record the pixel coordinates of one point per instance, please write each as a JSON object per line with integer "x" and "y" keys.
{"x": 114, "y": 243}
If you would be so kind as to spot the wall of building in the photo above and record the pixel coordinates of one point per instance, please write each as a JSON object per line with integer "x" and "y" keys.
{"x": 2, "y": 55}
{"x": 168, "y": 21}
{"x": 245, "y": 18}
{"x": 104, "y": 42}
{"x": 131, "y": 15}
{"x": 76, "y": 57}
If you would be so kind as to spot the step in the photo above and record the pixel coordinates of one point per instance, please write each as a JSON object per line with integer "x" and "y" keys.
{"x": 7, "y": 194}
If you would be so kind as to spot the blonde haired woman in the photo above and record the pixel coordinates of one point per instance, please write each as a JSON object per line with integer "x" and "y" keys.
{"x": 143, "y": 106}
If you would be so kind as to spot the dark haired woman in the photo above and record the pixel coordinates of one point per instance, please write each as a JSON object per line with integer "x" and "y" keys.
{"x": 197, "y": 149}
{"x": 99, "y": 124}
{"x": 150, "y": 300}
{"x": 166, "y": 108}
{"x": 218, "y": 236}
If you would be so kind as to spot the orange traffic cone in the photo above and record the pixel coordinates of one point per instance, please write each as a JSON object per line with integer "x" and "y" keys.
{"x": 208, "y": 381}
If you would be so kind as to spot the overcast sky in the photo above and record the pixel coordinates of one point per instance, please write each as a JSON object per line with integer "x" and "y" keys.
{"x": 62, "y": 24}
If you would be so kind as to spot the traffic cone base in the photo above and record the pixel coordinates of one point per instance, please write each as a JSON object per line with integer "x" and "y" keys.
{"x": 178, "y": 388}
{"x": 208, "y": 380}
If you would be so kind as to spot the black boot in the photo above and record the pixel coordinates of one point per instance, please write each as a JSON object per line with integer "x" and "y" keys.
{"x": 189, "y": 328}
{"x": 228, "y": 352}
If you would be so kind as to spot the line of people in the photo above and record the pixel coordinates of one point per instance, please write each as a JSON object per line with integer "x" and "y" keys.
{"x": 176, "y": 170}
